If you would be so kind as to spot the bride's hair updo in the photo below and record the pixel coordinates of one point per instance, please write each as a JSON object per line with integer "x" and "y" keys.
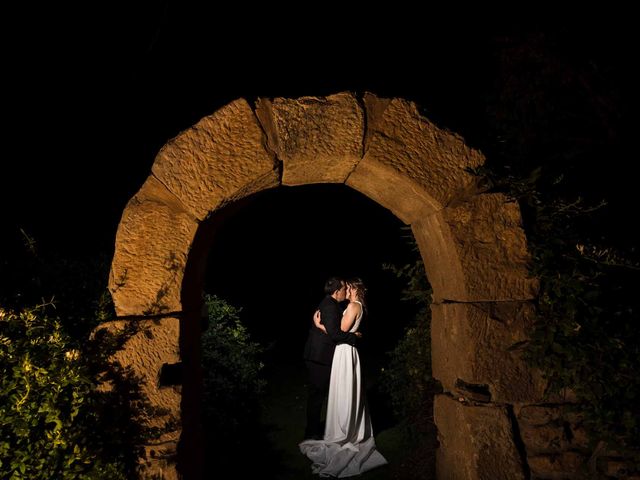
{"x": 358, "y": 285}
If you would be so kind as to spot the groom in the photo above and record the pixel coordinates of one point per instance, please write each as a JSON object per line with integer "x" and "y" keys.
{"x": 318, "y": 353}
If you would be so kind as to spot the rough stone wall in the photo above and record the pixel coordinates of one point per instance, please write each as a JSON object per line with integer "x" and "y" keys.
{"x": 558, "y": 447}
{"x": 492, "y": 419}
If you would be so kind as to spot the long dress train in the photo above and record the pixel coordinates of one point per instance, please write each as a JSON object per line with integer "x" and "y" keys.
{"x": 348, "y": 447}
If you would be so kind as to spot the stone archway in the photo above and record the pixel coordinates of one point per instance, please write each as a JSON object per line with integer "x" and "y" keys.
{"x": 472, "y": 244}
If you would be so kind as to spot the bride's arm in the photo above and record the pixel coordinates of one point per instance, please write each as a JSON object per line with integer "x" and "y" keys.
{"x": 316, "y": 320}
{"x": 349, "y": 317}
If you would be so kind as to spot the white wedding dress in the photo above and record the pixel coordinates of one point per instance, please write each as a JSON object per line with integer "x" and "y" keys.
{"x": 348, "y": 447}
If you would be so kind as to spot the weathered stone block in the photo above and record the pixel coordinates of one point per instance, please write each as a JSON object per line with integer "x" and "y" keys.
{"x": 476, "y": 443}
{"x": 152, "y": 244}
{"x": 544, "y": 439}
{"x": 154, "y": 343}
{"x": 159, "y": 462}
{"x": 318, "y": 139}
{"x": 478, "y": 344}
{"x": 563, "y": 466}
{"x": 220, "y": 159}
{"x": 551, "y": 429}
{"x": 426, "y": 165}
{"x": 537, "y": 415}
{"x": 476, "y": 251}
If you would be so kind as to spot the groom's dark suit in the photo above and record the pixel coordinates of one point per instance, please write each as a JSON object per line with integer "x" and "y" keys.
{"x": 318, "y": 355}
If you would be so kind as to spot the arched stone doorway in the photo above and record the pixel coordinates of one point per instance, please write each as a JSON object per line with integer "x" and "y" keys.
{"x": 472, "y": 245}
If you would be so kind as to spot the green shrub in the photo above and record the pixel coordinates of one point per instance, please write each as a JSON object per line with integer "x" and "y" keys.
{"x": 54, "y": 420}
{"x": 586, "y": 337}
{"x": 407, "y": 378}
{"x": 45, "y": 400}
{"x": 558, "y": 147}
{"x": 232, "y": 383}
{"x": 77, "y": 284}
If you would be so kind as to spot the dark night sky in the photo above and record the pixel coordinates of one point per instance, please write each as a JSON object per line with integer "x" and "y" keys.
{"x": 92, "y": 94}
{"x": 95, "y": 98}
{"x": 90, "y": 100}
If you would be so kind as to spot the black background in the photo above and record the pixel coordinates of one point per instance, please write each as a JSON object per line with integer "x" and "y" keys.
{"x": 92, "y": 93}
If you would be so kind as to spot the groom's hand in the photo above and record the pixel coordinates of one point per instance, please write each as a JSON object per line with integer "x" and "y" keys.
{"x": 358, "y": 334}
{"x": 317, "y": 320}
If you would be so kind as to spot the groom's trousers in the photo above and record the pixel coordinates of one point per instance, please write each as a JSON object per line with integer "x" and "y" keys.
{"x": 319, "y": 376}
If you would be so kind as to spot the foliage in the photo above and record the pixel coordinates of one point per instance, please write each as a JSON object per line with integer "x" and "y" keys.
{"x": 407, "y": 378}
{"x": 552, "y": 122}
{"x": 77, "y": 286}
{"x": 232, "y": 382}
{"x": 586, "y": 338}
{"x": 56, "y": 418}
{"x": 44, "y": 396}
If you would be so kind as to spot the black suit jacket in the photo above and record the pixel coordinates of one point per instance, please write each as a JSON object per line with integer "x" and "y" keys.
{"x": 320, "y": 346}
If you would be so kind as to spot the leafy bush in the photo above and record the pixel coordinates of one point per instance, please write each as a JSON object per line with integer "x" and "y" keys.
{"x": 77, "y": 286}
{"x": 545, "y": 155}
{"x": 45, "y": 403}
{"x": 55, "y": 421}
{"x": 407, "y": 378}
{"x": 586, "y": 338}
{"x": 232, "y": 383}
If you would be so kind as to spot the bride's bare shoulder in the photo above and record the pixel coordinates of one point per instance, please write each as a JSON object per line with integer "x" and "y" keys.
{"x": 355, "y": 305}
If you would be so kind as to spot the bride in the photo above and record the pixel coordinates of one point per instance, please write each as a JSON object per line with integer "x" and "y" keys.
{"x": 348, "y": 447}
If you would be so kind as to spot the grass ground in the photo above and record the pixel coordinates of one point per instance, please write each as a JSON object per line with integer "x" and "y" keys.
{"x": 283, "y": 420}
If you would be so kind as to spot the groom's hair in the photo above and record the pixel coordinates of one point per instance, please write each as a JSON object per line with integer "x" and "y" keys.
{"x": 333, "y": 284}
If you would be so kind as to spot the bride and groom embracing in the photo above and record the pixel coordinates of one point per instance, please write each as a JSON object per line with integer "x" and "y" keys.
{"x": 346, "y": 446}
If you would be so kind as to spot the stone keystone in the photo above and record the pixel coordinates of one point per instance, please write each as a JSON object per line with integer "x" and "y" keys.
{"x": 318, "y": 139}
